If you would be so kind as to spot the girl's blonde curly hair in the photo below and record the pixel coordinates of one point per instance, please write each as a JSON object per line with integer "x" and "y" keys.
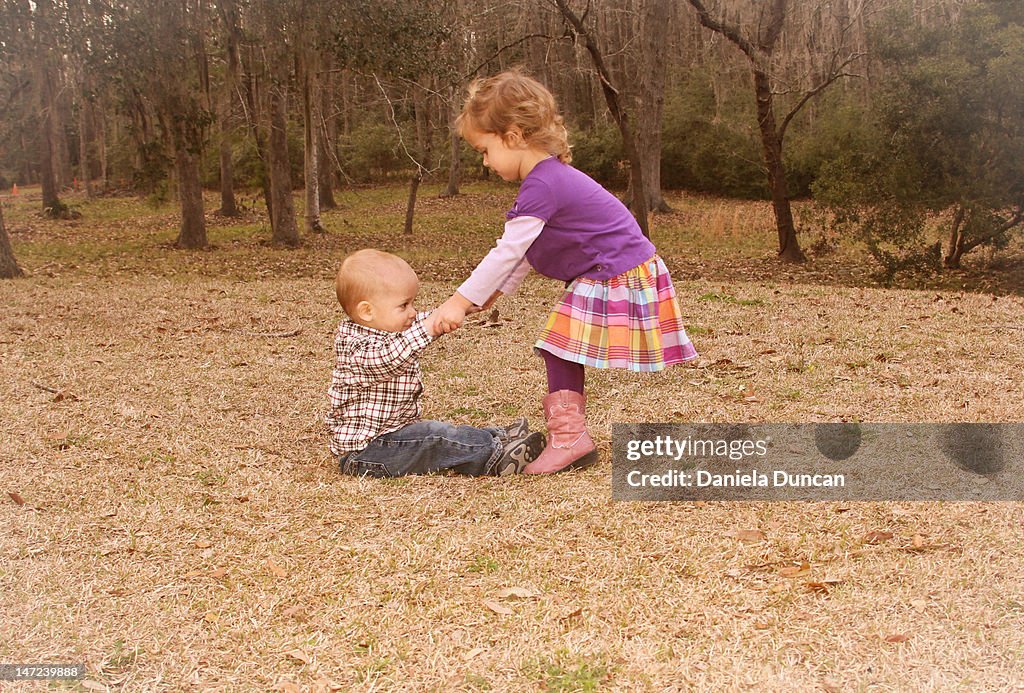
{"x": 509, "y": 100}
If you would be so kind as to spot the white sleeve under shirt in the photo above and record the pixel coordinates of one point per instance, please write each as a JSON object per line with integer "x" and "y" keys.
{"x": 505, "y": 266}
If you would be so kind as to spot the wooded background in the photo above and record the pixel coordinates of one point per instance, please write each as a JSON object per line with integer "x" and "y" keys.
{"x": 899, "y": 117}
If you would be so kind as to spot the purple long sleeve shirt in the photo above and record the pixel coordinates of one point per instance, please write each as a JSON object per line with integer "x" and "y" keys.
{"x": 566, "y": 225}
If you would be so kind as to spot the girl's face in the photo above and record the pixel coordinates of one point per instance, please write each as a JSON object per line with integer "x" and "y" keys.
{"x": 503, "y": 155}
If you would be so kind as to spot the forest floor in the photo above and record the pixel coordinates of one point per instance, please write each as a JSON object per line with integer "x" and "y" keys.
{"x": 172, "y": 518}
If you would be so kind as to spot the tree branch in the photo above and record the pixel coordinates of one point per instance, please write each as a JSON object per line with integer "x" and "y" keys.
{"x": 778, "y": 18}
{"x": 501, "y": 50}
{"x": 836, "y": 74}
{"x": 1018, "y": 217}
{"x": 421, "y": 169}
{"x": 729, "y": 31}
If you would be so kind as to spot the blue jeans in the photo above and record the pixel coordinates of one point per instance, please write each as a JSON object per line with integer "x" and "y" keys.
{"x": 424, "y": 447}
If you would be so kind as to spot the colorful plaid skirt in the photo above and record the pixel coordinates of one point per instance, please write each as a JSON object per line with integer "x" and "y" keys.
{"x": 630, "y": 321}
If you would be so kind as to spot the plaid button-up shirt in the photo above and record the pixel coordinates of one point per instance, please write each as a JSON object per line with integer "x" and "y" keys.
{"x": 376, "y": 383}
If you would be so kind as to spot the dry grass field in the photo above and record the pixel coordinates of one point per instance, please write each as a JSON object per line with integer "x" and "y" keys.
{"x": 171, "y": 516}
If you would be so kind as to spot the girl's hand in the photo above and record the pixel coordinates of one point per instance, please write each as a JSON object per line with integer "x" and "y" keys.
{"x": 490, "y": 302}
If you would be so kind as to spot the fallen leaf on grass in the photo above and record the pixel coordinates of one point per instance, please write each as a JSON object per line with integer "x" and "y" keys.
{"x": 923, "y": 548}
{"x": 497, "y": 608}
{"x": 219, "y": 573}
{"x": 831, "y": 686}
{"x": 517, "y": 593}
{"x": 276, "y": 569}
{"x": 572, "y": 614}
{"x": 297, "y": 612}
{"x": 299, "y": 655}
{"x": 794, "y": 571}
{"x": 821, "y": 586}
{"x": 203, "y": 544}
{"x": 750, "y": 535}
{"x": 475, "y": 652}
{"x": 897, "y": 637}
{"x": 16, "y": 497}
{"x": 211, "y": 617}
{"x": 877, "y": 537}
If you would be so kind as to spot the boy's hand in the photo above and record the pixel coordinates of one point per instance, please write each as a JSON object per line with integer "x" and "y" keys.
{"x": 450, "y": 314}
{"x": 431, "y": 326}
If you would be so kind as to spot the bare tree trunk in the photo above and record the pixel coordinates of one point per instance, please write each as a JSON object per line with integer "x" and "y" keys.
{"x": 228, "y": 205}
{"x": 8, "y": 264}
{"x": 455, "y": 169}
{"x": 190, "y": 192}
{"x": 27, "y": 172}
{"x": 262, "y": 147}
{"x": 84, "y": 160}
{"x": 614, "y": 101}
{"x": 229, "y": 16}
{"x": 62, "y": 151}
{"x": 956, "y": 240}
{"x": 771, "y": 142}
{"x": 310, "y": 119}
{"x": 48, "y": 172}
{"x": 326, "y": 174}
{"x": 420, "y": 108}
{"x": 285, "y": 230}
{"x": 99, "y": 121}
{"x": 410, "y": 207}
{"x": 327, "y": 131}
{"x": 652, "y": 69}
{"x": 48, "y": 105}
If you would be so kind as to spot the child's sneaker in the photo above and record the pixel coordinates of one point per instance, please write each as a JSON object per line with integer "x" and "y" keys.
{"x": 518, "y": 452}
{"x": 516, "y": 429}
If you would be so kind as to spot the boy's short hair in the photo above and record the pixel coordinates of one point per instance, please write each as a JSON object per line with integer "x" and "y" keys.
{"x": 362, "y": 274}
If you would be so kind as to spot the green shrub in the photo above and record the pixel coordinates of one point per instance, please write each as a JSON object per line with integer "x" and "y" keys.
{"x": 372, "y": 152}
{"x": 598, "y": 152}
{"x": 707, "y": 147}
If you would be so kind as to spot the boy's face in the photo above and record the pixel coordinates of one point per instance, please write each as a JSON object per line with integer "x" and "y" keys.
{"x": 390, "y": 308}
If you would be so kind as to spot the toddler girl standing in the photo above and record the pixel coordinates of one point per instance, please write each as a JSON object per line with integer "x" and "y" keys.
{"x": 619, "y": 308}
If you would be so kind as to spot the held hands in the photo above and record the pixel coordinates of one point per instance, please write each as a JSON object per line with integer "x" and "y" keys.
{"x": 450, "y": 314}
